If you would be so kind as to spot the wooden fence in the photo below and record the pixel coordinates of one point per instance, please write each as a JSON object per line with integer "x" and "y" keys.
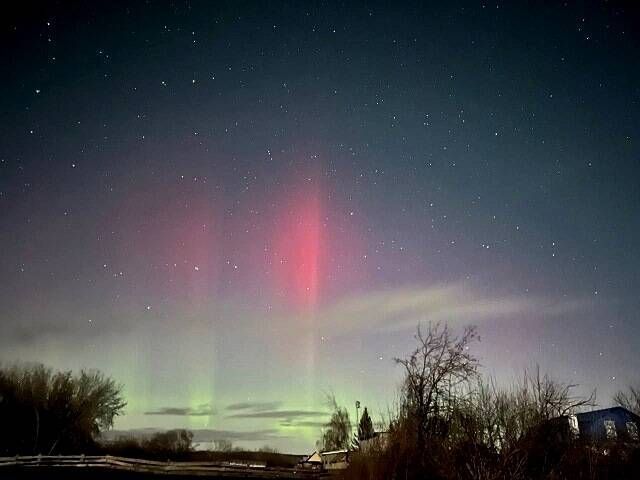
{"x": 200, "y": 469}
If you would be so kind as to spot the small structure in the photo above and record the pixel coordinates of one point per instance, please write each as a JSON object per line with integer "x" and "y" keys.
{"x": 335, "y": 460}
{"x": 246, "y": 463}
{"x": 313, "y": 461}
{"x": 606, "y": 424}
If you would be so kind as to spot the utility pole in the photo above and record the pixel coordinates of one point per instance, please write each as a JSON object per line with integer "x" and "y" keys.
{"x": 357, "y": 417}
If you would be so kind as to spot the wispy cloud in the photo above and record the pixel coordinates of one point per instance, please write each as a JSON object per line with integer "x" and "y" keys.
{"x": 406, "y": 307}
{"x": 204, "y": 410}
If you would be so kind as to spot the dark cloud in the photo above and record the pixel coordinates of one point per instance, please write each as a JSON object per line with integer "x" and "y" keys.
{"x": 200, "y": 411}
{"x": 283, "y": 414}
{"x": 254, "y": 406}
{"x": 302, "y": 424}
{"x": 43, "y": 326}
{"x": 270, "y": 410}
{"x": 208, "y": 435}
{"x": 28, "y": 334}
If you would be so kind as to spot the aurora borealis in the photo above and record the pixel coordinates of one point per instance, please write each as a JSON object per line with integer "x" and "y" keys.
{"x": 233, "y": 207}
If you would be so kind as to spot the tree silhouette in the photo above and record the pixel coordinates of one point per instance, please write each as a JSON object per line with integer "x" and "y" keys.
{"x": 629, "y": 399}
{"x": 46, "y": 412}
{"x": 440, "y": 364}
{"x": 338, "y": 430}
{"x": 365, "y": 427}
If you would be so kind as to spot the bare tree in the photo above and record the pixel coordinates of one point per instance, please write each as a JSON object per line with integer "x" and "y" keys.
{"x": 629, "y": 399}
{"x": 550, "y": 398}
{"x": 434, "y": 373}
{"x": 504, "y": 417}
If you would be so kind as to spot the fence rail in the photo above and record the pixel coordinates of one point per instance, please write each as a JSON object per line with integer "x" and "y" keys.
{"x": 211, "y": 469}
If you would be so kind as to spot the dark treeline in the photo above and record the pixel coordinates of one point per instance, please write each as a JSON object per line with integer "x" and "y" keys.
{"x": 47, "y": 412}
{"x": 451, "y": 423}
{"x": 177, "y": 445}
{"x": 174, "y": 444}
{"x": 50, "y": 413}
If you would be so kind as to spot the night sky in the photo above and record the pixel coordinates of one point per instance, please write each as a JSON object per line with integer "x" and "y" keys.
{"x": 235, "y": 208}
